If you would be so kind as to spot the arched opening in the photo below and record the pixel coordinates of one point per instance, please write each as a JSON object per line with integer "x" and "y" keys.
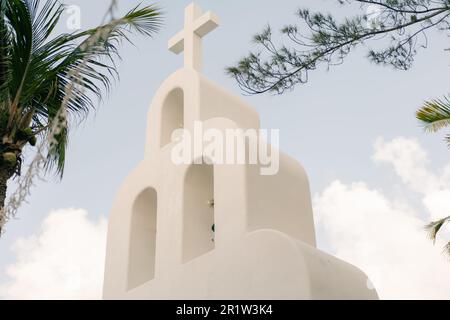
{"x": 198, "y": 216}
{"x": 141, "y": 263}
{"x": 172, "y": 116}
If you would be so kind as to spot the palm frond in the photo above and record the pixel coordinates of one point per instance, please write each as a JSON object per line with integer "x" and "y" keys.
{"x": 35, "y": 71}
{"x": 435, "y": 114}
{"x": 447, "y": 248}
{"x": 90, "y": 65}
{"x": 433, "y": 228}
{"x": 57, "y": 151}
{"x": 19, "y": 18}
{"x": 36, "y": 62}
{"x": 46, "y": 20}
{"x": 96, "y": 54}
{"x": 5, "y": 59}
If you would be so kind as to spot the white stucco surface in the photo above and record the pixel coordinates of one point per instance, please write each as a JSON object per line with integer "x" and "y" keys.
{"x": 160, "y": 241}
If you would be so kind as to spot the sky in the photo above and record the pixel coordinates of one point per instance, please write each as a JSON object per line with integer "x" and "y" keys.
{"x": 376, "y": 178}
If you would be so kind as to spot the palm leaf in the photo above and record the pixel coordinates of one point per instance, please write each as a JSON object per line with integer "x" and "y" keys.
{"x": 88, "y": 58}
{"x": 435, "y": 114}
{"x": 447, "y": 248}
{"x": 433, "y": 228}
{"x": 5, "y": 61}
{"x": 85, "y": 65}
{"x": 35, "y": 71}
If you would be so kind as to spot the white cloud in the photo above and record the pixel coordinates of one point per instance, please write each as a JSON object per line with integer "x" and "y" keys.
{"x": 384, "y": 235}
{"x": 64, "y": 260}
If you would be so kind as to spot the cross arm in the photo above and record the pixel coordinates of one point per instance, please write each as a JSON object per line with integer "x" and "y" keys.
{"x": 205, "y": 24}
{"x": 202, "y": 26}
{"x": 176, "y": 43}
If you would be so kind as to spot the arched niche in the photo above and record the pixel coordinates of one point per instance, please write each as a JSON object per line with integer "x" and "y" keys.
{"x": 141, "y": 267}
{"x": 198, "y": 211}
{"x": 172, "y": 115}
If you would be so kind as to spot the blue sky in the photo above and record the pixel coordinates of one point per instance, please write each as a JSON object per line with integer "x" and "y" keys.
{"x": 330, "y": 124}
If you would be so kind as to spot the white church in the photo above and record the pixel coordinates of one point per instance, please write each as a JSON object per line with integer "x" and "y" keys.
{"x": 215, "y": 231}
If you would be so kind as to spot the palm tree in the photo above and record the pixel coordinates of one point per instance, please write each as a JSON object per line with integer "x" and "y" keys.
{"x": 435, "y": 115}
{"x": 40, "y": 74}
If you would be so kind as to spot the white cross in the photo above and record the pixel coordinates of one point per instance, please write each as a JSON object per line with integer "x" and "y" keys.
{"x": 196, "y": 26}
